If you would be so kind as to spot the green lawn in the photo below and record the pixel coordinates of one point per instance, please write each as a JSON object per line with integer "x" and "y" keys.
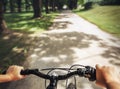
{"x": 105, "y": 17}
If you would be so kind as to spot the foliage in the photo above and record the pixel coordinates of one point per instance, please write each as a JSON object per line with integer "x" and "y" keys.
{"x": 88, "y": 5}
{"x": 26, "y": 5}
{"x": 72, "y": 4}
{"x": 61, "y": 3}
{"x": 81, "y": 2}
{"x": 110, "y": 2}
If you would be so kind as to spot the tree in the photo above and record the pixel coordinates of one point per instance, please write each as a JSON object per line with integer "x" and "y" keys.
{"x": 110, "y": 2}
{"x": 37, "y": 7}
{"x": 60, "y": 4}
{"x": 27, "y": 5}
{"x": 53, "y": 5}
{"x": 19, "y": 5}
{"x": 75, "y": 4}
{"x": 46, "y": 6}
{"x": 3, "y": 26}
{"x": 72, "y": 4}
{"x": 5, "y": 4}
{"x": 12, "y": 6}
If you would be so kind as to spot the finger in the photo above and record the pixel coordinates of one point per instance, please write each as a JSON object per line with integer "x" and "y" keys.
{"x": 98, "y": 66}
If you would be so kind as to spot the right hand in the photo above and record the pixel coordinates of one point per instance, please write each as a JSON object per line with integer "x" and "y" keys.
{"x": 107, "y": 76}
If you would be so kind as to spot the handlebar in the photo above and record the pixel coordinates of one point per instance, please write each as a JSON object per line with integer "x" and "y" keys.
{"x": 87, "y": 71}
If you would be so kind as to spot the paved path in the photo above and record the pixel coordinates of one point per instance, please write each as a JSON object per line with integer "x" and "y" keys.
{"x": 71, "y": 40}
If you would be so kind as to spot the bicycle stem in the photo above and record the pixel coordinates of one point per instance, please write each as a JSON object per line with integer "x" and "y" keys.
{"x": 53, "y": 83}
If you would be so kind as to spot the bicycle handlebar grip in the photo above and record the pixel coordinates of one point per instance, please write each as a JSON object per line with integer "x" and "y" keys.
{"x": 90, "y": 73}
{"x": 28, "y": 71}
{"x": 4, "y": 72}
{"x": 24, "y": 72}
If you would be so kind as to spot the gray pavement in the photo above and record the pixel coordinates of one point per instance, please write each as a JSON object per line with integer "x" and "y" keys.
{"x": 70, "y": 40}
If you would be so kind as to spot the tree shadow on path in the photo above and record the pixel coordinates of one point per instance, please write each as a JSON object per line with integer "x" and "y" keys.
{"x": 112, "y": 53}
{"x": 57, "y": 48}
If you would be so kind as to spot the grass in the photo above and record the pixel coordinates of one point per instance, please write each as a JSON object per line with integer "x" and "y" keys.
{"x": 16, "y": 46}
{"x": 24, "y": 22}
{"x": 105, "y": 17}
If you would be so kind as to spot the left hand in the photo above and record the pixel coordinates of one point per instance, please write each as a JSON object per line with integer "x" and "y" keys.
{"x": 14, "y": 72}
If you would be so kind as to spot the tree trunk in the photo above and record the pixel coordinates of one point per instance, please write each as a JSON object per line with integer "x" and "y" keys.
{"x": 11, "y": 6}
{"x": 37, "y": 4}
{"x": 75, "y": 4}
{"x": 19, "y": 5}
{"x": 3, "y": 26}
{"x": 71, "y": 4}
{"x": 53, "y": 5}
{"x": 46, "y": 6}
{"x": 5, "y": 4}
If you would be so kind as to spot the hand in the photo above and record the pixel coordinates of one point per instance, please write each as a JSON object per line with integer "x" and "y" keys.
{"x": 14, "y": 72}
{"x": 107, "y": 76}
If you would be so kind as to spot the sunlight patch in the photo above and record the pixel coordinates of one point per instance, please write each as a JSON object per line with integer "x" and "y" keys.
{"x": 37, "y": 49}
{"x": 49, "y": 59}
{"x": 73, "y": 38}
{"x": 6, "y": 38}
{"x": 63, "y": 56}
{"x": 34, "y": 56}
{"x": 17, "y": 50}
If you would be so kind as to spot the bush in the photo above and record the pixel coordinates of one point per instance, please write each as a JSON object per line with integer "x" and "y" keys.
{"x": 88, "y": 5}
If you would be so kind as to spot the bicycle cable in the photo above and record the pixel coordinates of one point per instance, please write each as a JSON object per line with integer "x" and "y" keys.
{"x": 74, "y": 76}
